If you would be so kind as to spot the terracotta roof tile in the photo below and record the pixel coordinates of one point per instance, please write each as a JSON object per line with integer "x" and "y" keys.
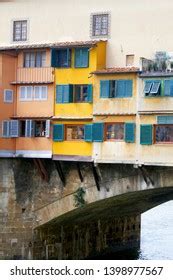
{"x": 116, "y": 70}
{"x": 52, "y": 45}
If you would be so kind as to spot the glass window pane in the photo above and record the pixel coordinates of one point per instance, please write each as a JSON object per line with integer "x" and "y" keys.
{"x": 22, "y": 92}
{"x": 115, "y": 132}
{"x": 36, "y": 92}
{"x": 155, "y": 88}
{"x": 164, "y": 133}
{"x": 44, "y": 93}
{"x": 75, "y": 132}
{"x": 29, "y": 93}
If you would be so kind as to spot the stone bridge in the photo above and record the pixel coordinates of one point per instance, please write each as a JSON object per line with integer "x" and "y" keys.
{"x": 72, "y": 211}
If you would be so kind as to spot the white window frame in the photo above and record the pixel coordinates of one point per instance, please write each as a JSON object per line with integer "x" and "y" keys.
{"x": 8, "y": 129}
{"x": 25, "y": 98}
{"x": 92, "y": 35}
{"x": 40, "y": 93}
{"x": 5, "y": 99}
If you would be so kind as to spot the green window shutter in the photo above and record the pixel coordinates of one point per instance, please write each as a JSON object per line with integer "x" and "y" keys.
{"x": 130, "y": 132}
{"x": 88, "y": 133}
{"x": 81, "y": 57}
{"x": 165, "y": 119}
{"x": 98, "y": 131}
{"x": 59, "y": 94}
{"x": 146, "y": 134}
{"x": 121, "y": 85}
{"x": 168, "y": 88}
{"x": 54, "y": 59}
{"x": 104, "y": 88}
{"x": 58, "y": 132}
{"x": 128, "y": 88}
{"x": 67, "y": 93}
{"x": 147, "y": 87}
{"x": 90, "y": 94}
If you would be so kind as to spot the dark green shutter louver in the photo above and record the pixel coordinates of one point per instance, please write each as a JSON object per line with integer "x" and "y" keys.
{"x": 90, "y": 94}
{"x": 104, "y": 89}
{"x": 165, "y": 119}
{"x": 59, "y": 94}
{"x": 88, "y": 132}
{"x": 168, "y": 88}
{"x": 81, "y": 57}
{"x": 98, "y": 132}
{"x": 146, "y": 134}
{"x": 54, "y": 58}
{"x": 67, "y": 93}
{"x": 130, "y": 132}
{"x": 58, "y": 132}
{"x": 128, "y": 88}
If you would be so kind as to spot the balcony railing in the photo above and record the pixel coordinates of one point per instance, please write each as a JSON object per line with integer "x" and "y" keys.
{"x": 35, "y": 75}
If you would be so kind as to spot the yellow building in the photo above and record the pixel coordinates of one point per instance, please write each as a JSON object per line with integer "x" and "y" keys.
{"x": 115, "y": 109}
{"x": 73, "y": 64}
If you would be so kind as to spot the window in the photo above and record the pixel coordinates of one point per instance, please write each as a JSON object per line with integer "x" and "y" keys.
{"x": 116, "y": 88}
{"x": 163, "y": 133}
{"x": 25, "y": 93}
{"x": 114, "y": 132}
{"x": 40, "y": 93}
{"x": 130, "y": 59}
{"x": 20, "y": 30}
{"x": 74, "y": 93}
{"x": 8, "y": 96}
{"x": 61, "y": 58}
{"x": 22, "y": 129}
{"x": 40, "y": 129}
{"x": 100, "y": 24}
{"x": 152, "y": 88}
{"x": 74, "y": 132}
{"x": 81, "y": 57}
{"x": 34, "y": 59}
{"x": 80, "y": 93}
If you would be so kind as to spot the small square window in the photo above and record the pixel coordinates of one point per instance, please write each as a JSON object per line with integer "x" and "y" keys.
{"x": 8, "y": 96}
{"x": 100, "y": 24}
{"x": 130, "y": 59}
{"x": 20, "y": 30}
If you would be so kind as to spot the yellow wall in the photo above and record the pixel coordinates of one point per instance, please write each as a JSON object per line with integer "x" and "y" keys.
{"x": 156, "y": 153}
{"x": 97, "y": 60}
{"x": 115, "y": 151}
{"x": 71, "y": 148}
{"x": 114, "y": 105}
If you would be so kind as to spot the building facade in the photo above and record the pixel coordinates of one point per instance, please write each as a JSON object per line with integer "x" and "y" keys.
{"x": 86, "y": 87}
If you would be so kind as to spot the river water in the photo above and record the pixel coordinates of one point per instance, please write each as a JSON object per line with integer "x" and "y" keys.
{"x": 156, "y": 236}
{"x": 157, "y": 233}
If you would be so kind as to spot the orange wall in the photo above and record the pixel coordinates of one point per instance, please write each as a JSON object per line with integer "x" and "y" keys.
{"x": 35, "y": 144}
{"x": 7, "y": 75}
{"x": 36, "y": 108}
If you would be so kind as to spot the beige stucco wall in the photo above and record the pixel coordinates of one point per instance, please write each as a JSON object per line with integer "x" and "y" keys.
{"x": 137, "y": 27}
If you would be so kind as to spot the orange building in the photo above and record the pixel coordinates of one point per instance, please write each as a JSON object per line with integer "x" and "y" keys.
{"x": 26, "y": 128}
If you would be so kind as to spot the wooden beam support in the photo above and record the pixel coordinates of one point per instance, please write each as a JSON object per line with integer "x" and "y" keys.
{"x": 96, "y": 176}
{"x": 60, "y": 171}
{"x": 146, "y": 176}
{"x": 79, "y": 172}
{"x": 41, "y": 169}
